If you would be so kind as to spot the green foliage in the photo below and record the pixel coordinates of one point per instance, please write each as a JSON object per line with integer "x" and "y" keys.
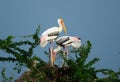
{"x": 78, "y": 69}
{"x": 19, "y": 55}
{"x": 4, "y": 76}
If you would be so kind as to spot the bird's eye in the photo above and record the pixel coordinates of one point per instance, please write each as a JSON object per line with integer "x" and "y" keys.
{"x": 79, "y": 38}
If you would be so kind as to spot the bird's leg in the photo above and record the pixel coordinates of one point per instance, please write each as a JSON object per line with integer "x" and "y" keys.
{"x": 66, "y": 51}
{"x": 52, "y": 58}
{"x": 51, "y": 54}
{"x": 65, "y": 55}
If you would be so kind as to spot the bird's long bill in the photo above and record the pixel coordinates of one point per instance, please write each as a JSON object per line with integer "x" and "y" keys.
{"x": 64, "y": 28}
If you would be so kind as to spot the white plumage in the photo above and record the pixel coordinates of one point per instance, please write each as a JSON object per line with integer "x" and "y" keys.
{"x": 69, "y": 40}
{"x": 52, "y": 33}
{"x": 65, "y": 41}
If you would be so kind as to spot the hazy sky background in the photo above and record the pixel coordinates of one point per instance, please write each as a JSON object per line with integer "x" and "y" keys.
{"x": 94, "y": 20}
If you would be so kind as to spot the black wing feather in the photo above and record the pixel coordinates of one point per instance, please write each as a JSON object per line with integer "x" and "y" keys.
{"x": 56, "y": 33}
{"x": 62, "y": 40}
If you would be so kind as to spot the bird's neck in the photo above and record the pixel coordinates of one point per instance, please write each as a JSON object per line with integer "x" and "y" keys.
{"x": 57, "y": 49}
{"x": 60, "y": 27}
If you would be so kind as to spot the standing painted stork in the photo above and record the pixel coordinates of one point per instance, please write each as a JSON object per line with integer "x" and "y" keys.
{"x": 63, "y": 42}
{"x": 51, "y": 34}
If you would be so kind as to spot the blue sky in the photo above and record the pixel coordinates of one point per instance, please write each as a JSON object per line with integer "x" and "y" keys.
{"x": 94, "y": 20}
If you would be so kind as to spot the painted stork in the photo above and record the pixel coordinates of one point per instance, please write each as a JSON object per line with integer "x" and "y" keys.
{"x": 63, "y": 42}
{"x": 51, "y": 34}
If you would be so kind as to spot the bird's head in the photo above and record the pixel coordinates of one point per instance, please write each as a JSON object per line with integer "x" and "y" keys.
{"x": 76, "y": 42}
{"x": 79, "y": 38}
{"x": 61, "y": 21}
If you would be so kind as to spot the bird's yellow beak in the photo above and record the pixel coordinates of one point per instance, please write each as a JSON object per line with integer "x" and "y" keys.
{"x": 64, "y": 28}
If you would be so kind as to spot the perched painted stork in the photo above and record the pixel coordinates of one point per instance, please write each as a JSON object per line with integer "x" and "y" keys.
{"x": 63, "y": 42}
{"x": 51, "y": 34}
